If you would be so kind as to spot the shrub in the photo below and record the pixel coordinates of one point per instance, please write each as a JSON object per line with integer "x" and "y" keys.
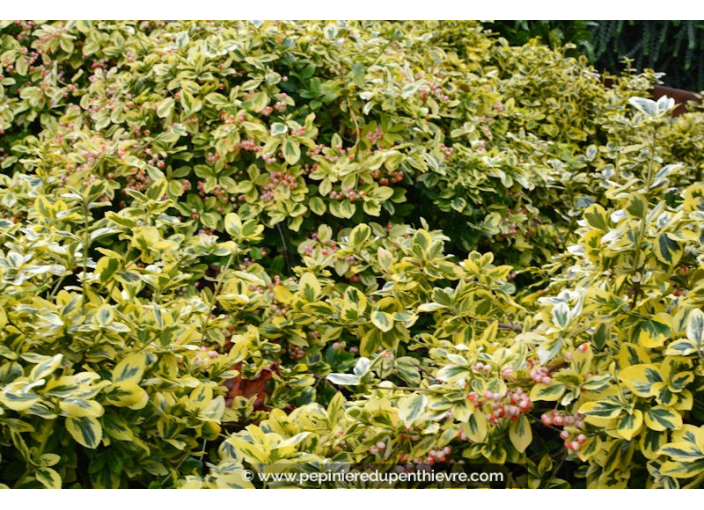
{"x": 230, "y": 244}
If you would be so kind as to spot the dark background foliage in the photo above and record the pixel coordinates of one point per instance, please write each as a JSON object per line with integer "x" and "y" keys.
{"x": 673, "y": 47}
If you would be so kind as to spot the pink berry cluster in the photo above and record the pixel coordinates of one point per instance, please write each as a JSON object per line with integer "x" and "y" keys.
{"x": 509, "y": 406}
{"x": 212, "y": 158}
{"x": 583, "y": 348}
{"x": 482, "y": 368}
{"x": 137, "y": 180}
{"x": 338, "y": 68}
{"x": 268, "y": 158}
{"x": 392, "y": 177}
{"x": 480, "y": 146}
{"x": 437, "y": 91}
{"x": 250, "y": 146}
{"x": 379, "y": 446}
{"x": 349, "y": 193}
{"x": 541, "y": 375}
{"x": 448, "y": 151}
{"x": 279, "y": 309}
{"x": 154, "y": 158}
{"x": 315, "y": 151}
{"x": 30, "y": 57}
{"x": 562, "y": 419}
{"x": 276, "y": 179}
{"x": 296, "y": 352}
{"x": 375, "y": 136}
{"x": 26, "y": 27}
{"x": 231, "y": 118}
{"x": 435, "y": 455}
{"x": 204, "y": 355}
{"x": 280, "y": 106}
{"x": 328, "y": 247}
{"x": 218, "y": 192}
{"x": 573, "y": 443}
{"x": 276, "y": 283}
{"x": 353, "y": 278}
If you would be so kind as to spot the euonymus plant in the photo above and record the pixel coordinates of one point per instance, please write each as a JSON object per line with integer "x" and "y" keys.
{"x": 230, "y": 245}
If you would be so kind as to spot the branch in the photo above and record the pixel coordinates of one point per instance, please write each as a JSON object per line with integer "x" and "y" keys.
{"x": 507, "y": 327}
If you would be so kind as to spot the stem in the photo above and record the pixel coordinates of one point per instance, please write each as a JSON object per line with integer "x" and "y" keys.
{"x": 545, "y": 483}
{"x": 356, "y": 125}
{"x": 405, "y": 388}
{"x": 86, "y": 243}
{"x": 699, "y": 352}
{"x": 23, "y": 476}
{"x": 422, "y": 369}
{"x": 56, "y": 287}
{"x": 508, "y": 327}
{"x": 216, "y": 292}
{"x": 283, "y": 241}
{"x": 11, "y": 323}
{"x": 635, "y": 288}
{"x": 46, "y": 434}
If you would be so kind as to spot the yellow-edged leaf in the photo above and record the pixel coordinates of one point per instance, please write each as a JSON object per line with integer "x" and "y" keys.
{"x": 86, "y": 430}
{"x": 520, "y": 433}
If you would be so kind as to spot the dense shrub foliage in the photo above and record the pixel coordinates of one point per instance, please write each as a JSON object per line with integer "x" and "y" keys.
{"x": 228, "y": 245}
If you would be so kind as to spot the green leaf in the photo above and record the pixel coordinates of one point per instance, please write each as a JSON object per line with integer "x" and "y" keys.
{"x": 217, "y": 100}
{"x": 640, "y": 378}
{"x": 520, "y": 433}
{"x": 317, "y": 205}
{"x": 104, "y": 316}
{"x": 667, "y": 251}
{"x": 411, "y": 408}
{"x": 310, "y": 287}
{"x": 430, "y": 307}
{"x": 476, "y": 428}
{"x": 660, "y": 418}
{"x": 682, "y": 469}
{"x": 117, "y": 428}
{"x": 292, "y": 151}
{"x": 362, "y": 367}
{"x": 682, "y": 347}
{"x": 18, "y": 396}
{"x": 277, "y": 128}
{"x": 360, "y": 234}
{"x": 126, "y": 394}
{"x": 637, "y": 206}
{"x": 165, "y": 108}
{"x": 382, "y": 320}
{"x": 683, "y": 451}
{"x": 601, "y": 409}
{"x": 45, "y": 368}
{"x": 695, "y": 327}
{"x": 78, "y": 407}
{"x": 343, "y": 379}
{"x": 85, "y": 430}
{"x": 646, "y": 106}
{"x": 597, "y": 218}
{"x": 561, "y": 314}
{"x": 48, "y": 477}
{"x": 629, "y": 424}
{"x": 548, "y": 393}
{"x": 130, "y": 369}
